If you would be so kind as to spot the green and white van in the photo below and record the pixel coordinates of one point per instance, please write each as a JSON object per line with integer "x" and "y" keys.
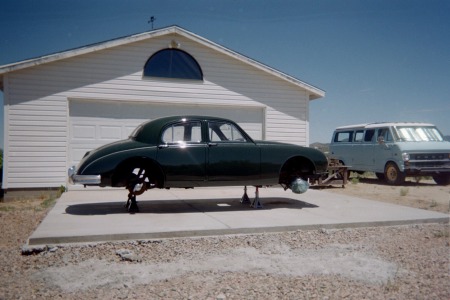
{"x": 393, "y": 151}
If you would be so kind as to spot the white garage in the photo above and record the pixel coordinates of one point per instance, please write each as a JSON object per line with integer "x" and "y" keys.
{"x": 59, "y": 106}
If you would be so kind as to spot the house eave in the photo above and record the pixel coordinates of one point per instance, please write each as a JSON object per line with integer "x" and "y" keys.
{"x": 82, "y": 50}
{"x": 314, "y": 92}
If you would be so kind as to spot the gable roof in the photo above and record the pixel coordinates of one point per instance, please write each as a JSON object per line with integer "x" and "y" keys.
{"x": 314, "y": 92}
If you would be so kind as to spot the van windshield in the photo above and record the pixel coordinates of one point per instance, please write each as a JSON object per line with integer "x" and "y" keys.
{"x": 418, "y": 134}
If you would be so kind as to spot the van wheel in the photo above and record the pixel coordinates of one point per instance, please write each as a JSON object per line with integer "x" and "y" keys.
{"x": 393, "y": 175}
{"x": 442, "y": 179}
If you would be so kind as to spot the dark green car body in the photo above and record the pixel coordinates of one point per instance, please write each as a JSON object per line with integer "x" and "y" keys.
{"x": 196, "y": 151}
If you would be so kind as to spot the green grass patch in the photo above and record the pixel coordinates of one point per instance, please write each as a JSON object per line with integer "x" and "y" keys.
{"x": 404, "y": 192}
{"x": 6, "y": 208}
{"x": 441, "y": 233}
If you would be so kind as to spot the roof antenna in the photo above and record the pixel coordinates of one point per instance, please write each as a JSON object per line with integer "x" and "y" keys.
{"x": 152, "y": 19}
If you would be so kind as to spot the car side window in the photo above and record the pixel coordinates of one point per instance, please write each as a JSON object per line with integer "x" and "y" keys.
{"x": 182, "y": 132}
{"x": 224, "y": 132}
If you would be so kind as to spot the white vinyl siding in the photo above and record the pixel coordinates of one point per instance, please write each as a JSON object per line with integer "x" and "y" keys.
{"x": 37, "y": 137}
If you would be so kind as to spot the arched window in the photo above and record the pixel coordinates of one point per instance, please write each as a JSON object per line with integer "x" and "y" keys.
{"x": 173, "y": 63}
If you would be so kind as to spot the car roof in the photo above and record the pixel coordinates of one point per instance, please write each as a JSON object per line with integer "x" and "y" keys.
{"x": 187, "y": 118}
{"x": 161, "y": 122}
{"x": 382, "y": 124}
{"x": 149, "y": 131}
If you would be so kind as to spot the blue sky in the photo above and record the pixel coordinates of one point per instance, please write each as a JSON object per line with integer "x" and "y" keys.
{"x": 377, "y": 60}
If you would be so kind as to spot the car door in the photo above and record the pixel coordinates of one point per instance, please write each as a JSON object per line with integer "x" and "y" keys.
{"x": 232, "y": 156}
{"x": 182, "y": 154}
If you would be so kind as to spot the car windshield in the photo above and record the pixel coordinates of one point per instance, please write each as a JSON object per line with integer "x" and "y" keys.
{"x": 419, "y": 134}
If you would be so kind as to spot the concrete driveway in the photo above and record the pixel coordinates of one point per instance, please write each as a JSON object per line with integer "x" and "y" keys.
{"x": 99, "y": 215}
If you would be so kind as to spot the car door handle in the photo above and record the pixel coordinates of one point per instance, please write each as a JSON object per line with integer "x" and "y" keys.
{"x": 212, "y": 144}
{"x": 163, "y": 146}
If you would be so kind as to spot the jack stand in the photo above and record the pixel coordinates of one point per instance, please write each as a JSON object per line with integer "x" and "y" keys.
{"x": 256, "y": 203}
{"x": 131, "y": 205}
{"x": 245, "y": 199}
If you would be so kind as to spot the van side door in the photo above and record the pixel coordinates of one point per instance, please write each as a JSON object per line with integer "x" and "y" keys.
{"x": 369, "y": 145}
{"x": 359, "y": 155}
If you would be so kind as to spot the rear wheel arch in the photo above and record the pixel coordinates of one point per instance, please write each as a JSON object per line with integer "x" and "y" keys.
{"x": 296, "y": 167}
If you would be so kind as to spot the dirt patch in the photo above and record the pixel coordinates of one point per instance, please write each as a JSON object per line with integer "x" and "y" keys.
{"x": 424, "y": 194}
{"x": 342, "y": 260}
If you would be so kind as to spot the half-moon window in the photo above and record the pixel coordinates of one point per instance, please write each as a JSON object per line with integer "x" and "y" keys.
{"x": 173, "y": 63}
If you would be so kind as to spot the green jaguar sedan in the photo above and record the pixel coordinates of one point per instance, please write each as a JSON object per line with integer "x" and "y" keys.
{"x": 196, "y": 151}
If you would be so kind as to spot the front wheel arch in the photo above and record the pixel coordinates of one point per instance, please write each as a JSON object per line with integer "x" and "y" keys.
{"x": 392, "y": 174}
{"x": 296, "y": 167}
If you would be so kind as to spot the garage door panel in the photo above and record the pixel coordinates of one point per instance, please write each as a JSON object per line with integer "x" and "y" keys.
{"x": 107, "y": 133}
{"x": 253, "y": 129}
{"x": 83, "y": 132}
{"x": 129, "y": 130}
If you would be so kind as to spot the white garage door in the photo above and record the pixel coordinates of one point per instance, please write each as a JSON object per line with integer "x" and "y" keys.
{"x": 96, "y": 123}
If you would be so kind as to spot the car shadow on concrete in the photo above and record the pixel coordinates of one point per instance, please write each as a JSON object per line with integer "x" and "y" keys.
{"x": 185, "y": 206}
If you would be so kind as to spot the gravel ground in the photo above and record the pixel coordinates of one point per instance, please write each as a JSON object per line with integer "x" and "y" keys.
{"x": 399, "y": 262}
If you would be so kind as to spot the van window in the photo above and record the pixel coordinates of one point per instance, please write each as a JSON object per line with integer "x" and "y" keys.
{"x": 359, "y": 136}
{"x": 385, "y": 134}
{"x": 343, "y": 136}
{"x": 368, "y": 137}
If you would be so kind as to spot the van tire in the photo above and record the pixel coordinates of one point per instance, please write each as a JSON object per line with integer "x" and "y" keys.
{"x": 392, "y": 174}
{"x": 442, "y": 179}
